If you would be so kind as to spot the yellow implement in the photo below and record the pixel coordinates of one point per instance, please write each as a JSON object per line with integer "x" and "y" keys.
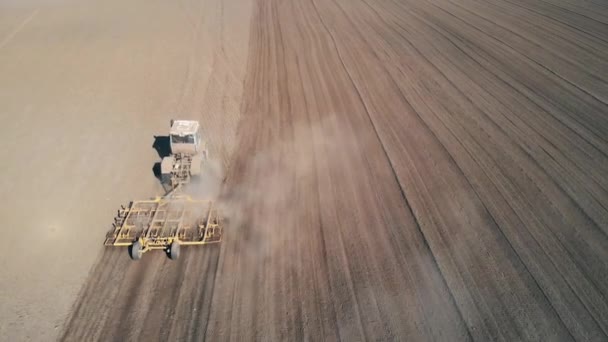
{"x": 165, "y": 223}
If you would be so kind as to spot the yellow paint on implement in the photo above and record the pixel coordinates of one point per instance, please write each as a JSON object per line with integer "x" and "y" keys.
{"x": 157, "y": 223}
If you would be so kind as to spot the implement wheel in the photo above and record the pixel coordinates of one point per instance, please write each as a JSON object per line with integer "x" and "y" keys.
{"x": 135, "y": 250}
{"x": 173, "y": 251}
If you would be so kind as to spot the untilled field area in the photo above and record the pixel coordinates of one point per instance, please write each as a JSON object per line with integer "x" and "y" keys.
{"x": 392, "y": 170}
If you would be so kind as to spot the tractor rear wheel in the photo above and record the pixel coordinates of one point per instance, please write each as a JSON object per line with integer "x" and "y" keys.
{"x": 173, "y": 251}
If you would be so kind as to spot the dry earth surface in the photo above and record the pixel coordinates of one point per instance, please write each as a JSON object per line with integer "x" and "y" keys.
{"x": 84, "y": 88}
{"x": 394, "y": 170}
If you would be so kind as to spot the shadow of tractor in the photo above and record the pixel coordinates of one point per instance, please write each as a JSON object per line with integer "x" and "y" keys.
{"x": 162, "y": 145}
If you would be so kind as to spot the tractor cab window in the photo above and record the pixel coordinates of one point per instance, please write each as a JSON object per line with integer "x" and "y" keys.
{"x": 186, "y": 139}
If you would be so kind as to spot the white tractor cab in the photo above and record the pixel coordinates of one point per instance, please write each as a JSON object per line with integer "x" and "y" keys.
{"x": 188, "y": 152}
{"x": 185, "y": 137}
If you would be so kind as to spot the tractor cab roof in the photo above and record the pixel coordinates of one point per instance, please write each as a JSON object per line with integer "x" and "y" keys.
{"x": 184, "y": 127}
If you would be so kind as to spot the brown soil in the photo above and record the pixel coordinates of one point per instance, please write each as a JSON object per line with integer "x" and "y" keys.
{"x": 402, "y": 170}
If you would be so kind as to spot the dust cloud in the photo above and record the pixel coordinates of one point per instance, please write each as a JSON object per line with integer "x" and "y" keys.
{"x": 269, "y": 199}
{"x": 208, "y": 184}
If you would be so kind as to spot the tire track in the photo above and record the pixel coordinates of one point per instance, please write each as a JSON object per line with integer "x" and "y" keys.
{"x": 9, "y": 37}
